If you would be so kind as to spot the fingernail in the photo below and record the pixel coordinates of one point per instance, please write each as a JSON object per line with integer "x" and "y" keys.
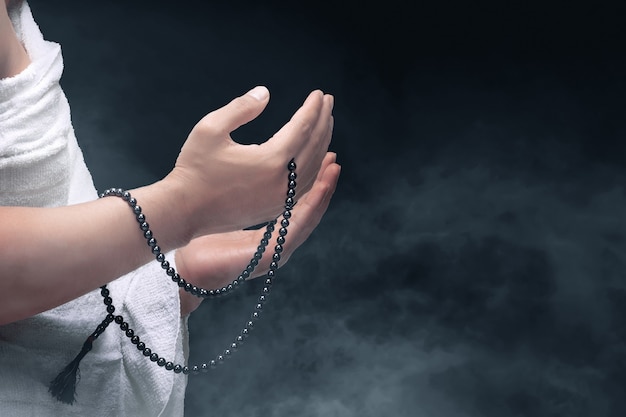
{"x": 260, "y": 93}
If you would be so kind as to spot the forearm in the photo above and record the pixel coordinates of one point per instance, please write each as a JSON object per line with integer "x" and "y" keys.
{"x": 13, "y": 56}
{"x": 49, "y": 256}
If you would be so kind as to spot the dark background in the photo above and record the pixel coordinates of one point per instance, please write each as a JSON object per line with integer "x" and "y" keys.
{"x": 472, "y": 260}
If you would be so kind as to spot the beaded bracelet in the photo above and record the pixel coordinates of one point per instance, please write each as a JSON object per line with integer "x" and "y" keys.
{"x": 63, "y": 387}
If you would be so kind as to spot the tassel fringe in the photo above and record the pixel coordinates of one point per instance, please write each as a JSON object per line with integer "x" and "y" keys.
{"x": 63, "y": 387}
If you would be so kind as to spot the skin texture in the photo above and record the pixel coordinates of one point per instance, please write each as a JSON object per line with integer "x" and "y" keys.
{"x": 43, "y": 250}
{"x": 13, "y": 57}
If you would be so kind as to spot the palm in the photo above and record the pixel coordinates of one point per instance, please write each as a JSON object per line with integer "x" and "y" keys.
{"x": 217, "y": 259}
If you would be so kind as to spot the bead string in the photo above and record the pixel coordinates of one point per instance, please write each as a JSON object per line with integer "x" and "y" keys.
{"x": 198, "y": 291}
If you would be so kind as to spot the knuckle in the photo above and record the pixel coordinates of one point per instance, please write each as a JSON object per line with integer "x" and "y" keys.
{"x": 304, "y": 127}
{"x": 243, "y": 105}
{"x": 207, "y": 126}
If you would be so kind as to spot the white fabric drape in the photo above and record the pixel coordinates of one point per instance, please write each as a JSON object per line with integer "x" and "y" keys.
{"x": 42, "y": 165}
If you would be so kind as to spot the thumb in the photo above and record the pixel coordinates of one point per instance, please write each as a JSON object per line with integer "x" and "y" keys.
{"x": 238, "y": 112}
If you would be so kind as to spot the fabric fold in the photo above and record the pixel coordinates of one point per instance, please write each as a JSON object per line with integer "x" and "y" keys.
{"x": 41, "y": 165}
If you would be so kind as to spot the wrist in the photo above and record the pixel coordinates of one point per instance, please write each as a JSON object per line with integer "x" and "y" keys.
{"x": 203, "y": 214}
{"x": 167, "y": 214}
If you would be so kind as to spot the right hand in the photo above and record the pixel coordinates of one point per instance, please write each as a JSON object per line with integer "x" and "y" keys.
{"x": 227, "y": 186}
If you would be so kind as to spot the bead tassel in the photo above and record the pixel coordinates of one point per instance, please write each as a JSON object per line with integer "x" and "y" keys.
{"x": 63, "y": 387}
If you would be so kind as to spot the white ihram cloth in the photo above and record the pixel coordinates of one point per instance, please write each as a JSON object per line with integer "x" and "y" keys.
{"x": 42, "y": 165}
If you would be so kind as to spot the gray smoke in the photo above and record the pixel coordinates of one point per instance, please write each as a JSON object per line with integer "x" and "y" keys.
{"x": 471, "y": 263}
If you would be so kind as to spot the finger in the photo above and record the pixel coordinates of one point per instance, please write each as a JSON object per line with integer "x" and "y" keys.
{"x": 332, "y": 177}
{"x": 309, "y": 211}
{"x": 324, "y": 122}
{"x": 329, "y": 158}
{"x": 328, "y": 184}
{"x": 319, "y": 155}
{"x": 323, "y": 133}
{"x": 312, "y": 140}
{"x": 238, "y": 112}
{"x": 292, "y": 137}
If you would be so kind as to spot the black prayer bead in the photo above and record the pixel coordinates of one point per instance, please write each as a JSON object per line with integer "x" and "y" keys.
{"x": 201, "y": 292}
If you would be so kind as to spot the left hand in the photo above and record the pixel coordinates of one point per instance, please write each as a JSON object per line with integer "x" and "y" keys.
{"x": 215, "y": 260}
